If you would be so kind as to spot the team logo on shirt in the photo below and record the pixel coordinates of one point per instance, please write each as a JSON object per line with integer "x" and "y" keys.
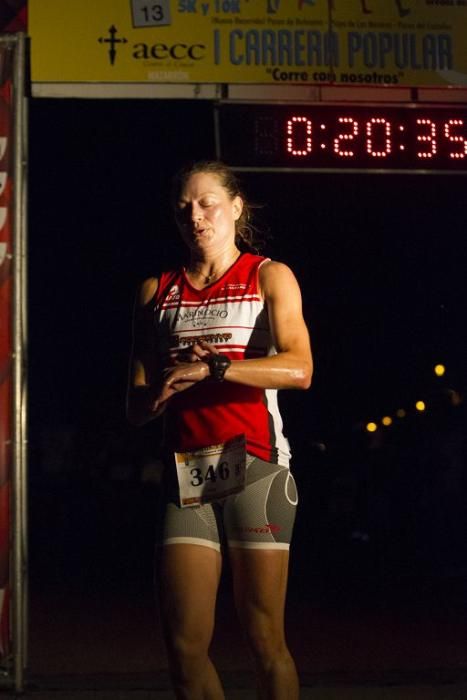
{"x": 201, "y": 316}
{"x": 215, "y": 338}
{"x": 235, "y": 286}
{"x": 173, "y": 293}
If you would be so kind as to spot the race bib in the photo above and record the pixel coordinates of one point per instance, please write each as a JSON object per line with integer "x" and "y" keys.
{"x": 211, "y": 473}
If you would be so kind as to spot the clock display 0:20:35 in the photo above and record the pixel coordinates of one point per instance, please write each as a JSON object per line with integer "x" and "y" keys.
{"x": 340, "y": 136}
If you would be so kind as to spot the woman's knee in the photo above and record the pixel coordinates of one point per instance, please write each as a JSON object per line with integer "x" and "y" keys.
{"x": 187, "y": 653}
{"x": 266, "y": 641}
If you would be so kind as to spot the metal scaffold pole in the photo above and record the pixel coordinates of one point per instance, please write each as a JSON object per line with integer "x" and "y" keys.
{"x": 19, "y": 452}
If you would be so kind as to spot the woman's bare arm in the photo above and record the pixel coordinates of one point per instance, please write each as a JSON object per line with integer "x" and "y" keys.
{"x": 290, "y": 368}
{"x": 141, "y": 404}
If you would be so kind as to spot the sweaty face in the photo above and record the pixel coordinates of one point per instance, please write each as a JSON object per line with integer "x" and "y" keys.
{"x": 206, "y": 214}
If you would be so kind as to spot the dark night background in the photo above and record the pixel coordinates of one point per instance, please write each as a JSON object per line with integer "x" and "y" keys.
{"x": 381, "y": 261}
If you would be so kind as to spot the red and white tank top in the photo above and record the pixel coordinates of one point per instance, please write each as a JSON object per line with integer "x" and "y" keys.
{"x": 231, "y": 314}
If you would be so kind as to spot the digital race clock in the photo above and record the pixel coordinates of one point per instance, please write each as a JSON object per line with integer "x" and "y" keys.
{"x": 383, "y": 138}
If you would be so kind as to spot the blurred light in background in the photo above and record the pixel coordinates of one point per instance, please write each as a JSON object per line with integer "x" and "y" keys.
{"x": 455, "y": 397}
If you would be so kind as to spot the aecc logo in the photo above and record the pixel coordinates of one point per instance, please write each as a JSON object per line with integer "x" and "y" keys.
{"x": 178, "y": 51}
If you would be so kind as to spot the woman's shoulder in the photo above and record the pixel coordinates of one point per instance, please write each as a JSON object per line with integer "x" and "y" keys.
{"x": 152, "y": 288}
{"x": 275, "y": 274}
{"x": 271, "y": 267}
{"x": 147, "y": 290}
{"x": 265, "y": 264}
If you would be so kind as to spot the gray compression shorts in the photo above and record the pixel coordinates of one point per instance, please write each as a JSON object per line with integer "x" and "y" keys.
{"x": 260, "y": 517}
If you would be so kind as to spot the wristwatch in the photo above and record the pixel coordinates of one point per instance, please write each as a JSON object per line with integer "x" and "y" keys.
{"x": 218, "y": 365}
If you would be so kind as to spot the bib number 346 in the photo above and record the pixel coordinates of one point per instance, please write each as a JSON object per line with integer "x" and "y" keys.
{"x": 222, "y": 472}
{"x": 212, "y": 472}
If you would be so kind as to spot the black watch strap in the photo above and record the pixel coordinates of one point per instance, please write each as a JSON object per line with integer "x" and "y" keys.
{"x": 218, "y": 365}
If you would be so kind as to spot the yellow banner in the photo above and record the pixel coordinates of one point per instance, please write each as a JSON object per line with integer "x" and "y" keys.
{"x": 345, "y": 42}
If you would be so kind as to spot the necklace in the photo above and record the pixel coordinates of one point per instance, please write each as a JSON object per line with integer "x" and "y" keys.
{"x": 207, "y": 279}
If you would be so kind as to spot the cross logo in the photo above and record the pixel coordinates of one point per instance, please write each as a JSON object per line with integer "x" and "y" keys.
{"x": 112, "y": 41}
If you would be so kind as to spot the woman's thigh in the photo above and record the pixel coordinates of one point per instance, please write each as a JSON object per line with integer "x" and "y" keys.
{"x": 260, "y": 587}
{"x": 259, "y": 523}
{"x": 187, "y": 578}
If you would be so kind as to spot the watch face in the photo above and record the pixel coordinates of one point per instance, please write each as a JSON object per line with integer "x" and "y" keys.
{"x": 218, "y": 365}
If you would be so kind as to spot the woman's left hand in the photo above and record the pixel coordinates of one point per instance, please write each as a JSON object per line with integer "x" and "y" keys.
{"x": 181, "y": 377}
